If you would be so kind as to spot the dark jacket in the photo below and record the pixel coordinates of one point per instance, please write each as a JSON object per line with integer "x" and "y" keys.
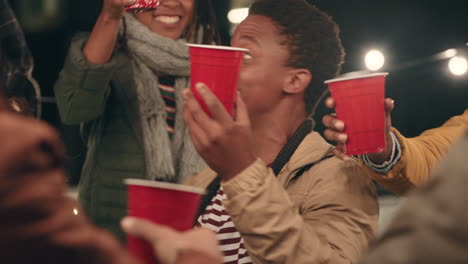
{"x": 115, "y": 151}
{"x": 431, "y": 227}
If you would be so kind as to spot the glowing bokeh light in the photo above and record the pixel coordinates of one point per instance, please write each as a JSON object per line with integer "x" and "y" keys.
{"x": 458, "y": 66}
{"x": 374, "y": 60}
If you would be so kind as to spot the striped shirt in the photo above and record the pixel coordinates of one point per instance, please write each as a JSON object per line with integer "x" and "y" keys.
{"x": 167, "y": 90}
{"x": 217, "y": 219}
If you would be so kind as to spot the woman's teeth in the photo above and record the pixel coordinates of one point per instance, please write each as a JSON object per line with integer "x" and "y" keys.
{"x": 168, "y": 19}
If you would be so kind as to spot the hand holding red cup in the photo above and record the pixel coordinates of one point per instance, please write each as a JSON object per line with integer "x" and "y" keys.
{"x": 218, "y": 67}
{"x": 360, "y": 105}
{"x": 335, "y": 127}
{"x": 167, "y": 204}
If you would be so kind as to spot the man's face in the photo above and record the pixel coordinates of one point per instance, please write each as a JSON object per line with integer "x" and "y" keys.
{"x": 263, "y": 72}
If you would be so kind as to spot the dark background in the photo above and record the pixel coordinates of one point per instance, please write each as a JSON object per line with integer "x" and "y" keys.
{"x": 409, "y": 32}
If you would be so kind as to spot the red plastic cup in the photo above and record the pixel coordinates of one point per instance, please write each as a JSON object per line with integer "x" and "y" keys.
{"x": 142, "y": 5}
{"x": 359, "y": 102}
{"x": 218, "y": 67}
{"x": 172, "y": 205}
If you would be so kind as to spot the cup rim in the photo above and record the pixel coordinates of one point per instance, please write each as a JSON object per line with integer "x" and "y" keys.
{"x": 339, "y": 79}
{"x": 217, "y": 47}
{"x": 165, "y": 185}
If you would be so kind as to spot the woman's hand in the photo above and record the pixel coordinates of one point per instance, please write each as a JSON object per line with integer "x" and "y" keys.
{"x": 115, "y": 9}
{"x": 103, "y": 38}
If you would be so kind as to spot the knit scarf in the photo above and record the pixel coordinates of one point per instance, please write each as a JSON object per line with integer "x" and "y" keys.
{"x": 153, "y": 55}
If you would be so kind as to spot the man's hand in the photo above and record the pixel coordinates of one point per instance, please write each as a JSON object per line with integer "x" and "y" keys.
{"x": 335, "y": 127}
{"x": 224, "y": 142}
{"x": 197, "y": 246}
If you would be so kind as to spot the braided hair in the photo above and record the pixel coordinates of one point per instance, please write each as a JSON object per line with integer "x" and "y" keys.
{"x": 313, "y": 41}
{"x": 204, "y": 24}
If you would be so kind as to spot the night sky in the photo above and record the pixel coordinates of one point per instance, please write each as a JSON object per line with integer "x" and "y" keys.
{"x": 407, "y": 31}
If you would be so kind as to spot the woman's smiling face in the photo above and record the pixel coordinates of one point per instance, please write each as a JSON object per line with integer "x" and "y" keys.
{"x": 170, "y": 19}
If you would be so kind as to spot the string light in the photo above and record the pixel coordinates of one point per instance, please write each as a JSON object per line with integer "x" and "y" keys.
{"x": 374, "y": 60}
{"x": 458, "y": 66}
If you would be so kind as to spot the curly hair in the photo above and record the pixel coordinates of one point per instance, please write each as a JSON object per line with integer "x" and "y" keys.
{"x": 313, "y": 41}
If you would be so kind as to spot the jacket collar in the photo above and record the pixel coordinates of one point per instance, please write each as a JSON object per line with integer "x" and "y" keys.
{"x": 312, "y": 149}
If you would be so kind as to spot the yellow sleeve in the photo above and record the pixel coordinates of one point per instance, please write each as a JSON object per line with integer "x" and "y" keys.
{"x": 419, "y": 155}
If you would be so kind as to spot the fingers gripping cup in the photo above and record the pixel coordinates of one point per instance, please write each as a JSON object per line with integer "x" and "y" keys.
{"x": 218, "y": 67}
{"x": 172, "y": 205}
{"x": 142, "y": 5}
{"x": 359, "y": 103}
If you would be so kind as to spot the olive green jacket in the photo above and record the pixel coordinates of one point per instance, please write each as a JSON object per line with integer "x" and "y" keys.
{"x": 101, "y": 98}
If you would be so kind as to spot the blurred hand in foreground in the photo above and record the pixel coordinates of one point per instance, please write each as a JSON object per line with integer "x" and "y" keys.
{"x": 197, "y": 246}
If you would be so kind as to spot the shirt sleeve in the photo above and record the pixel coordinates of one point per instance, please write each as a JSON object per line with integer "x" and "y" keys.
{"x": 419, "y": 155}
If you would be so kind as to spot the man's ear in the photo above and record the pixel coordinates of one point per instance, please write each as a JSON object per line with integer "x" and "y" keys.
{"x": 297, "y": 81}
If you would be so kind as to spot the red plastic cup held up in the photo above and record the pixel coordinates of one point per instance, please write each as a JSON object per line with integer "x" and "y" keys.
{"x": 218, "y": 67}
{"x": 172, "y": 205}
{"x": 359, "y": 103}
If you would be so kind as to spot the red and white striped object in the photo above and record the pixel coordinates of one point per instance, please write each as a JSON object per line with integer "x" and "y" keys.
{"x": 217, "y": 219}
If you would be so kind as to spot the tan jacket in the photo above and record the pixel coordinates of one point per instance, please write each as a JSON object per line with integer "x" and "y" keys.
{"x": 419, "y": 155}
{"x": 328, "y": 215}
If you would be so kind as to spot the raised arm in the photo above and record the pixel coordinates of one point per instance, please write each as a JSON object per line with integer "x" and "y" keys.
{"x": 101, "y": 42}
{"x": 408, "y": 165}
{"x": 419, "y": 155}
{"x": 83, "y": 86}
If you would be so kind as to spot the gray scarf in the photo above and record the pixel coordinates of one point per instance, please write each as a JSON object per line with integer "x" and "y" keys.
{"x": 166, "y": 159}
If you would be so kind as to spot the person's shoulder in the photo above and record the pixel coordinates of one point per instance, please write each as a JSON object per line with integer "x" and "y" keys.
{"x": 465, "y": 116}
{"x": 339, "y": 175}
{"x": 316, "y": 153}
{"x": 336, "y": 167}
{"x": 334, "y": 183}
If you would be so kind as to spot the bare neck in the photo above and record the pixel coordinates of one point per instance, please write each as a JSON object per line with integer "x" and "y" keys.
{"x": 273, "y": 129}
